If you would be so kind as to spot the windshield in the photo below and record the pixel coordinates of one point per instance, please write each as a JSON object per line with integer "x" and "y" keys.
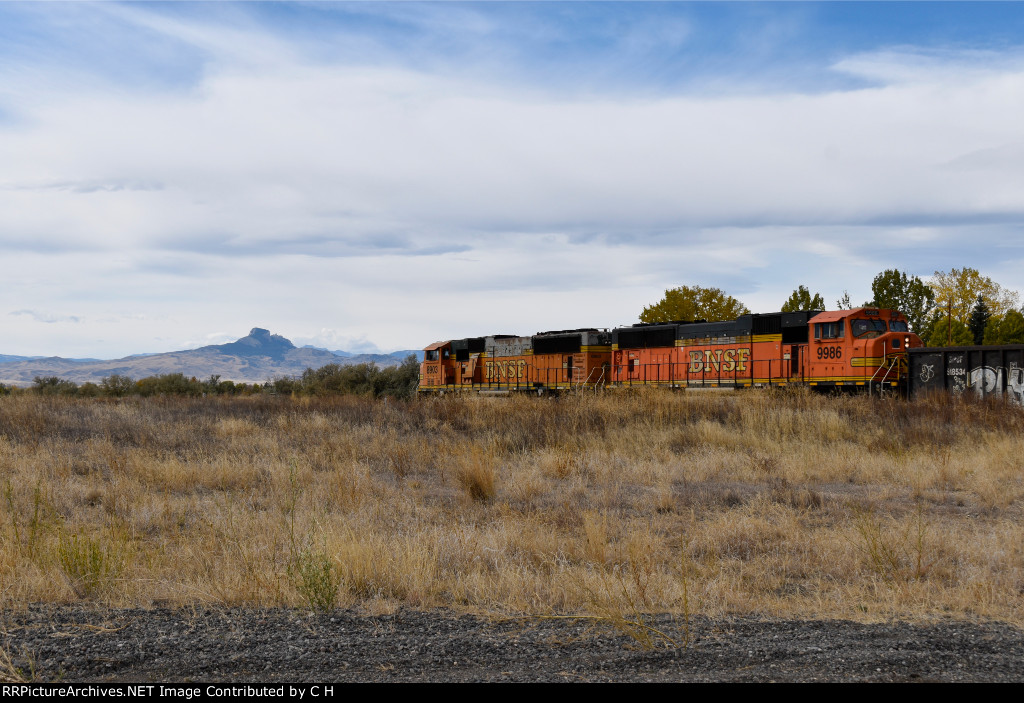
{"x": 897, "y": 326}
{"x": 867, "y": 328}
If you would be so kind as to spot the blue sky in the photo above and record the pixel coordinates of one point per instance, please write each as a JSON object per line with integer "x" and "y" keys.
{"x": 382, "y": 175}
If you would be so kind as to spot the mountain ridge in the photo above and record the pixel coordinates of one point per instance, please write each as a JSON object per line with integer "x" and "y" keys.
{"x": 255, "y": 358}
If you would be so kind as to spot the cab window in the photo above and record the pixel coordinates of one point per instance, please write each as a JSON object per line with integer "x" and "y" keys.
{"x": 431, "y": 355}
{"x": 898, "y": 326}
{"x": 867, "y": 328}
{"x": 828, "y": 330}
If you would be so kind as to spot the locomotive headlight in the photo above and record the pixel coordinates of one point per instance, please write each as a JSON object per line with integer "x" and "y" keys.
{"x": 906, "y": 342}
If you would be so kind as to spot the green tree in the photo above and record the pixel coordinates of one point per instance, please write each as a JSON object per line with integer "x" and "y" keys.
{"x": 802, "y": 300}
{"x": 895, "y": 290}
{"x": 1011, "y": 328}
{"x": 957, "y": 293}
{"x": 942, "y": 335}
{"x": 694, "y": 303}
{"x": 844, "y": 302}
{"x": 993, "y": 330}
{"x": 925, "y": 333}
{"x": 1008, "y": 329}
{"x": 979, "y": 320}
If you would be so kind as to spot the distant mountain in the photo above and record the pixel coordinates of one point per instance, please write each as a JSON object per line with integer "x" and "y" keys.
{"x": 4, "y": 358}
{"x": 255, "y": 358}
{"x": 385, "y": 359}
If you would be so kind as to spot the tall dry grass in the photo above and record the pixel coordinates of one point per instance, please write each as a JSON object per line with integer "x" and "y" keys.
{"x": 780, "y": 504}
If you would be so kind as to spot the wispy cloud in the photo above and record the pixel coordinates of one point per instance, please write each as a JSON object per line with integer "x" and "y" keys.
{"x": 45, "y": 317}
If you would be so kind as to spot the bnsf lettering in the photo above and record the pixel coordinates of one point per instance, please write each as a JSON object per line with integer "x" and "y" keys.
{"x": 712, "y": 359}
{"x": 718, "y": 360}
{"x": 505, "y": 370}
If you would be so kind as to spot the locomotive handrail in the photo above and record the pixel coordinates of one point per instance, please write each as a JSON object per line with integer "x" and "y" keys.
{"x": 890, "y": 362}
{"x": 587, "y": 379}
{"x": 880, "y": 368}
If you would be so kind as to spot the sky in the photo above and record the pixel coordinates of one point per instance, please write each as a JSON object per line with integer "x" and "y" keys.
{"x": 376, "y": 176}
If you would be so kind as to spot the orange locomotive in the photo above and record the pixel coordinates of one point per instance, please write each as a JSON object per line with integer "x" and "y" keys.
{"x": 847, "y": 348}
{"x": 547, "y": 361}
{"x": 864, "y": 348}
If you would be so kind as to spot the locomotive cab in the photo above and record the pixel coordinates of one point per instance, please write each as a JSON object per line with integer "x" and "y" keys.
{"x": 438, "y": 367}
{"x": 863, "y": 346}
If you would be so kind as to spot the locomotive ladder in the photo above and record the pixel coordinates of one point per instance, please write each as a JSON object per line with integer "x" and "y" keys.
{"x": 586, "y": 380}
{"x": 890, "y": 363}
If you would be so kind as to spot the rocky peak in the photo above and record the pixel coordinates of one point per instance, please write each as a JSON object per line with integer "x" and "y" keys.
{"x": 259, "y": 342}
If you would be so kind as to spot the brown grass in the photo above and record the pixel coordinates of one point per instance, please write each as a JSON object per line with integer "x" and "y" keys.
{"x": 778, "y": 504}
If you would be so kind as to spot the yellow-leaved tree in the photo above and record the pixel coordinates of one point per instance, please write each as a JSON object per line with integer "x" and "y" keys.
{"x": 957, "y": 292}
{"x": 694, "y": 303}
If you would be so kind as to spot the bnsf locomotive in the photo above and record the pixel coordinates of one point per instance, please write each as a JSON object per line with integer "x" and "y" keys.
{"x": 860, "y": 349}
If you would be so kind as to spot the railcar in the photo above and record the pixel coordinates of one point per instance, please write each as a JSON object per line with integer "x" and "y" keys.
{"x": 846, "y": 348}
{"x": 863, "y": 348}
{"x": 545, "y": 362}
{"x": 985, "y": 370}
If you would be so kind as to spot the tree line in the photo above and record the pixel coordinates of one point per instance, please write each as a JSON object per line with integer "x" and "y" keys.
{"x": 333, "y": 379}
{"x": 958, "y": 307}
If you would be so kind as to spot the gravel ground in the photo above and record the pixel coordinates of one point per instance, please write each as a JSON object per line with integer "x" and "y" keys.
{"x": 74, "y": 644}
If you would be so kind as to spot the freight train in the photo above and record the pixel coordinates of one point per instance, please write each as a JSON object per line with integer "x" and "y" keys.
{"x": 862, "y": 349}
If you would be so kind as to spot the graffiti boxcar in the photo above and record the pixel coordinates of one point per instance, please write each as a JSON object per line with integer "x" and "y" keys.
{"x": 985, "y": 370}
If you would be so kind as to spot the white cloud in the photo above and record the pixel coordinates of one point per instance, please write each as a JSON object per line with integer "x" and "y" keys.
{"x": 399, "y": 206}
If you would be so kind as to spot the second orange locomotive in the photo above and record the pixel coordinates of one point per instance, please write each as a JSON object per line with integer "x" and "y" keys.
{"x": 860, "y": 348}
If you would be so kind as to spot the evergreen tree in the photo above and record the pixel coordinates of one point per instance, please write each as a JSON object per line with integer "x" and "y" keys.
{"x": 979, "y": 320}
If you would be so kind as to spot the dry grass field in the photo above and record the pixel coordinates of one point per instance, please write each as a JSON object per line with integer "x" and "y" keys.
{"x": 770, "y": 503}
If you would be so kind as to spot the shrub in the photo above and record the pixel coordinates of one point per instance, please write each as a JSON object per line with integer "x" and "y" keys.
{"x": 398, "y": 381}
{"x": 52, "y": 385}
{"x": 317, "y": 579}
{"x": 117, "y": 385}
{"x": 88, "y": 564}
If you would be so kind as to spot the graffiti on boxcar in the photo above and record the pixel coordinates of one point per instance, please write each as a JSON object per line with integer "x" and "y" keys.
{"x": 988, "y": 380}
{"x": 956, "y": 374}
{"x": 1015, "y": 383}
{"x": 927, "y": 372}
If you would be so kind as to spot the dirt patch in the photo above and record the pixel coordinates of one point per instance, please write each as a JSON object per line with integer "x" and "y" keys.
{"x": 74, "y": 644}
